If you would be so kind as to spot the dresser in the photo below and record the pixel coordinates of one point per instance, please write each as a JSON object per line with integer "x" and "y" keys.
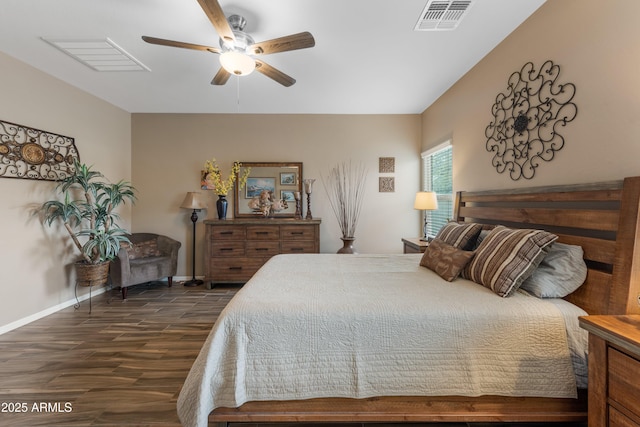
{"x": 236, "y": 248}
{"x": 614, "y": 370}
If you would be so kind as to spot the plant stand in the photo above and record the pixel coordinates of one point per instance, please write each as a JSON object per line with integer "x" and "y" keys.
{"x": 90, "y": 275}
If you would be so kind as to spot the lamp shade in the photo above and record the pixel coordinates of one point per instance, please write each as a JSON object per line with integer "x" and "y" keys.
{"x": 193, "y": 201}
{"x": 426, "y": 200}
{"x": 237, "y": 63}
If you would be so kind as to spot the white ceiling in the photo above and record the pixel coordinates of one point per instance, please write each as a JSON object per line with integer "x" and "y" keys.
{"x": 367, "y": 58}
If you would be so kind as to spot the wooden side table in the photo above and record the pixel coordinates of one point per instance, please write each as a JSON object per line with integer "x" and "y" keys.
{"x": 614, "y": 370}
{"x": 414, "y": 245}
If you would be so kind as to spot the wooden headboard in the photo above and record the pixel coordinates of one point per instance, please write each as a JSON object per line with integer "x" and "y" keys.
{"x": 602, "y": 218}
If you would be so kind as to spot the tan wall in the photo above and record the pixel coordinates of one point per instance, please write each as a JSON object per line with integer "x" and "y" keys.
{"x": 169, "y": 151}
{"x": 597, "y": 47}
{"x": 33, "y": 261}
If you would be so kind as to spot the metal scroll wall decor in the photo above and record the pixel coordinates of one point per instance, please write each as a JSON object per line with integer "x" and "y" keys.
{"x": 35, "y": 154}
{"x": 527, "y": 118}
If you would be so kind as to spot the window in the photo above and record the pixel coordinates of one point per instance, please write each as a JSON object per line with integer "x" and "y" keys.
{"x": 438, "y": 176}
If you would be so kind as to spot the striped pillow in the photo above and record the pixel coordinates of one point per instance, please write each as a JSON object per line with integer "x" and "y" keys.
{"x": 459, "y": 235}
{"x": 507, "y": 257}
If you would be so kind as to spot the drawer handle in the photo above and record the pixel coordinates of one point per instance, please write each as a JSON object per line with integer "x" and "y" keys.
{"x": 297, "y": 233}
{"x": 297, "y": 249}
{"x": 226, "y": 232}
{"x": 235, "y": 268}
{"x": 226, "y": 249}
{"x": 262, "y": 232}
{"x": 262, "y": 249}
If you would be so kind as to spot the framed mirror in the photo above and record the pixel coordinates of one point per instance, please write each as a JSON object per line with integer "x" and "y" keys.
{"x": 270, "y": 190}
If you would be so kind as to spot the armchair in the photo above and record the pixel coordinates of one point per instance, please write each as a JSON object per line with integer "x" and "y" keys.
{"x": 150, "y": 257}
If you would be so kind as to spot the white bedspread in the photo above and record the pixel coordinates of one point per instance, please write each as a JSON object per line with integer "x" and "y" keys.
{"x": 359, "y": 326}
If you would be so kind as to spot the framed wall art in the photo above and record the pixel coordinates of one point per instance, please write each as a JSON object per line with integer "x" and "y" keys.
{"x": 279, "y": 181}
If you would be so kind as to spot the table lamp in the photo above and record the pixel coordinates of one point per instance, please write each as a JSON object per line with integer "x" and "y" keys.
{"x": 425, "y": 201}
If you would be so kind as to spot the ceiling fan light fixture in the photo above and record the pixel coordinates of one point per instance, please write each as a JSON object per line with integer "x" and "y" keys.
{"x": 237, "y": 63}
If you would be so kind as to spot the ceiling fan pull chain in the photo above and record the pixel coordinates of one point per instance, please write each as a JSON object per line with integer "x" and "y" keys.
{"x": 238, "y": 92}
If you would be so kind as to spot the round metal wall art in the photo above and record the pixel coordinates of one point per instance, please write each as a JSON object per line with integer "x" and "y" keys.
{"x": 527, "y": 118}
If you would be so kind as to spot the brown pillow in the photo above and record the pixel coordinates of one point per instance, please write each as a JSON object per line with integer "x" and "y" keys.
{"x": 444, "y": 259}
{"x": 459, "y": 235}
{"x": 507, "y": 257}
{"x": 144, "y": 249}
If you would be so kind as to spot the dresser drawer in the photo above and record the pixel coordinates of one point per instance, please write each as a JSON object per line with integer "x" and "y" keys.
{"x": 226, "y": 248}
{"x": 262, "y": 248}
{"x": 618, "y": 419}
{"x": 624, "y": 372}
{"x": 234, "y": 269}
{"x": 298, "y": 247}
{"x": 229, "y": 232}
{"x": 258, "y": 232}
{"x": 298, "y": 232}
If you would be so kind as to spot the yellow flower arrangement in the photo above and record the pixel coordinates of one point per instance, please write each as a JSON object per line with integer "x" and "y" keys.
{"x": 212, "y": 178}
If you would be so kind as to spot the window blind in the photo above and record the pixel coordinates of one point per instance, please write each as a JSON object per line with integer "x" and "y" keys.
{"x": 437, "y": 172}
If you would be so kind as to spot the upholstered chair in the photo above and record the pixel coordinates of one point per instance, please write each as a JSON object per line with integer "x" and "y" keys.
{"x": 150, "y": 257}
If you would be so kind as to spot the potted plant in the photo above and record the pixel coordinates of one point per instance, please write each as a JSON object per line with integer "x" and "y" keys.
{"x": 86, "y": 206}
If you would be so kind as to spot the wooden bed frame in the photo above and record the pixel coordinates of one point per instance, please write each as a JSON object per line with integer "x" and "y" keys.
{"x": 602, "y": 218}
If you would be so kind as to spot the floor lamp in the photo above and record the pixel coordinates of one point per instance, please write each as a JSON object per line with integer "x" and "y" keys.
{"x": 425, "y": 201}
{"x": 193, "y": 201}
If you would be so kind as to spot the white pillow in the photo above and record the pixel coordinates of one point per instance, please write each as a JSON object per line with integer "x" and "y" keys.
{"x": 561, "y": 272}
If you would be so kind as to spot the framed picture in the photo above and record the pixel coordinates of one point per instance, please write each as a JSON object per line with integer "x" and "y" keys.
{"x": 205, "y": 182}
{"x": 256, "y": 185}
{"x": 287, "y": 196}
{"x": 282, "y": 179}
{"x": 287, "y": 178}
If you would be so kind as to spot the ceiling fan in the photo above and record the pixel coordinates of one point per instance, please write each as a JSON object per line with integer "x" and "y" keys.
{"x": 237, "y": 48}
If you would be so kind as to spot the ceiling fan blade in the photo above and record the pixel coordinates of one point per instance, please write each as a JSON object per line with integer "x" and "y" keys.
{"x": 221, "y": 77}
{"x": 282, "y": 44}
{"x": 274, "y": 73}
{"x": 215, "y": 14}
{"x": 164, "y": 42}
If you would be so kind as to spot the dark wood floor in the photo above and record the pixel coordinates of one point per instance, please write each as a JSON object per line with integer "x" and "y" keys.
{"x": 121, "y": 365}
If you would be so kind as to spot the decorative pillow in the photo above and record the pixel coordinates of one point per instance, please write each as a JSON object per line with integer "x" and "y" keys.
{"x": 444, "y": 259}
{"x": 561, "y": 272}
{"x": 459, "y": 235}
{"x": 486, "y": 228}
{"x": 507, "y": 257}
{"x": 144, "y": 249}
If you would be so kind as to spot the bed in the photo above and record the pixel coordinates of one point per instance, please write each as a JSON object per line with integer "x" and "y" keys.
{"x": 600, "y": 218}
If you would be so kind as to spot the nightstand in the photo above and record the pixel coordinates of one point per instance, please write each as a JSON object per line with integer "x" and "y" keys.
{"x": 614, "y": 370}
{"x": 414, "y": 245}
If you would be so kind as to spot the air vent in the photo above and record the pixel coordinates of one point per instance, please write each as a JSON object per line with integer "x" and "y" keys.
{"x": 441, "y": 15}
{"x": 101, "y": 55}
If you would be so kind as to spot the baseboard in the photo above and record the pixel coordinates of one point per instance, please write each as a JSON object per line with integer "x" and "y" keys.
{"x": 179, "y": 279}
{"x": 32, "y": 318}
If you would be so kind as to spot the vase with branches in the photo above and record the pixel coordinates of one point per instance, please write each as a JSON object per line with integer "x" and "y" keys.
{"x": 344, "y": 185}
{"x": 212, "y": 180}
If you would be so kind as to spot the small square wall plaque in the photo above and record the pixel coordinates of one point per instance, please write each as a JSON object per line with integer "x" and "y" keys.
{"x": 387, "y": 164}
{"x": 386, "y": 184}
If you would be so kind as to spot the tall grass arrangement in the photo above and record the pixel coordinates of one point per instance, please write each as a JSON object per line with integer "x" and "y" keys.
{"x": 344, "y": 185}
